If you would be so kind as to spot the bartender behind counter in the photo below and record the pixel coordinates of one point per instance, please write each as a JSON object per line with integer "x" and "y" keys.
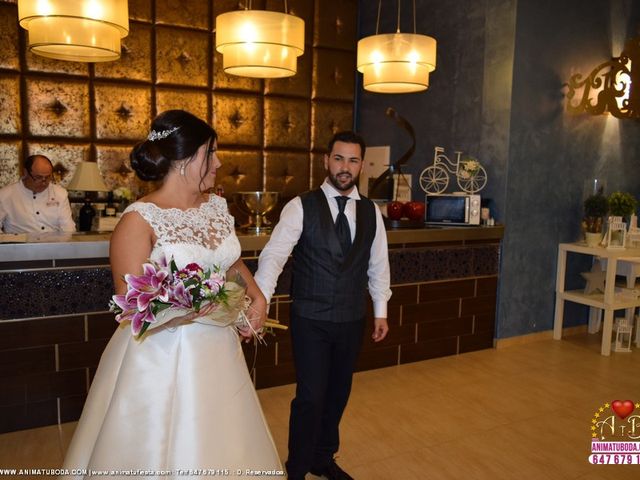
{"x": 33, "y": 203}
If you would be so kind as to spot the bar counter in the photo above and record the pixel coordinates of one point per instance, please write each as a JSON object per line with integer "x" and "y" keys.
{"x": 53, "y": 246}
{"x": 54, "y": 322}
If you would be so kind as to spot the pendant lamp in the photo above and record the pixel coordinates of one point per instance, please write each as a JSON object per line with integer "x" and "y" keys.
{"x": 75, "y": 30}
{"x": 396, "y": 62}
{"x": 259, "y": 43}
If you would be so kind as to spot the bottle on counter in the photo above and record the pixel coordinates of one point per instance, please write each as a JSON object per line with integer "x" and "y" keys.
{"x": 110, "y": 210}
{"x": 85, "y": 218}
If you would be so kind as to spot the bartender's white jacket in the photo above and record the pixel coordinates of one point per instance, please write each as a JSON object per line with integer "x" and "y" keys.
{"x": 22, "y": 211}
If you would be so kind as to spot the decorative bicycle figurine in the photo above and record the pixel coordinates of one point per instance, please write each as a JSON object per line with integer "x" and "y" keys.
{"x": 470, "y": 175}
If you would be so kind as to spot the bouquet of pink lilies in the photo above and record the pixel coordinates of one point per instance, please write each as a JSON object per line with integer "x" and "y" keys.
{"x": 164, "y": 292}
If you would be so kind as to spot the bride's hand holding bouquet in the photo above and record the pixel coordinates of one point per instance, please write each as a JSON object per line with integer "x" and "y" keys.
{"x": 166, "y": 295}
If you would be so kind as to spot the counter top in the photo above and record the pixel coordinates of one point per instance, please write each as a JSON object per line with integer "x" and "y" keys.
{"x": 54, "y": 246}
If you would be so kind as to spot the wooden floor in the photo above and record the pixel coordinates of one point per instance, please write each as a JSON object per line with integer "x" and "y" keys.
{"x": 521, "y": 412}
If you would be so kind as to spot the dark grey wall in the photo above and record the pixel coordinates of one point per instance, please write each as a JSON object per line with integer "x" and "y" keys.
{"x": 498, "y": 94}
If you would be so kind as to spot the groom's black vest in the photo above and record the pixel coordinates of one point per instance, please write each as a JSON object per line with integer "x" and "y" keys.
{"x": 326, "y": 285}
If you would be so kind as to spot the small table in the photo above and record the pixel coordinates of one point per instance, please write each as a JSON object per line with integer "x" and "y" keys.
{"x": 607, "y": 301}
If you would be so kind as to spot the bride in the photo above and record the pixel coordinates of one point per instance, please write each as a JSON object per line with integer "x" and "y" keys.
{"x": 180, "y": 401}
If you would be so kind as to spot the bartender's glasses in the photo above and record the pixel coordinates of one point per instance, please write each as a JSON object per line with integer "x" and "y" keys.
{"x": 41, "y": 178}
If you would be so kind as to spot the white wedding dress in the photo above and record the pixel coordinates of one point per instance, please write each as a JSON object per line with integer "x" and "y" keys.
{"x": 180, "y": 401}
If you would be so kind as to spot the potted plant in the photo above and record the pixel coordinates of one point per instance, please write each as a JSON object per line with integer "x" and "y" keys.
{"x": 622, "y": 204}
{"x": 595, "y": 208}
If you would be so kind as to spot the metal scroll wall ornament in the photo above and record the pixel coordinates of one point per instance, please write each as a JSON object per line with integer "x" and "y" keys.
{"x": 396, "y": 167}
{"x": 616, "y": 83}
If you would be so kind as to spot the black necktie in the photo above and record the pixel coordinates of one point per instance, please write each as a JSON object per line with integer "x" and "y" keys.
{"x": 342, "y": 225}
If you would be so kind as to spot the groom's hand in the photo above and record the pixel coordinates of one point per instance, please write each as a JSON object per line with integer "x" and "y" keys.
{"x": 256, "y": 316}
{"x": 380, "y": 329}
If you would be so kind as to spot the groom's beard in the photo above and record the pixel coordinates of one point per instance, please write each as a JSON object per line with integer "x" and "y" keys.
{"x": 343, "y": 181}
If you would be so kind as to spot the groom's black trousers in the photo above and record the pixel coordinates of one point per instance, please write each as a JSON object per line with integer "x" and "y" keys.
{"x": 325, "y": 355}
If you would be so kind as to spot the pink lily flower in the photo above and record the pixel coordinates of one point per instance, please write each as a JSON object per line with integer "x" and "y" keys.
{"x": 128, "y": 307}
{"x": 149, "y": 286}
{"x": 180, "y": 296}
{"x": 212, "y": 285}
{"x": 139, "y": 318}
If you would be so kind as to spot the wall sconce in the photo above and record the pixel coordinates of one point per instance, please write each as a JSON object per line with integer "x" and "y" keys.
{"x": 75, "y": 30}
{"x": 259, "y": 43}
{"x": 614, "y": 83}
{"x": 396, "y": 62}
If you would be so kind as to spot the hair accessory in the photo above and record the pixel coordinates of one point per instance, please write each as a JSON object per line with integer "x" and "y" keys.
{"x": 153, "y": 135}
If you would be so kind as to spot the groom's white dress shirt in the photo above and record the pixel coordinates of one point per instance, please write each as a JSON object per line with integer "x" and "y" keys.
{"x": 287, "y": 232}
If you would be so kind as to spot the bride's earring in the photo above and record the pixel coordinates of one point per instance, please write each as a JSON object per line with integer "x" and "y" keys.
{"x": 182, "y": 167}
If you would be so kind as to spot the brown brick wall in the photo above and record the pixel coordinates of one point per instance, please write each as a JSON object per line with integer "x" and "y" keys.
{"x": 47, "y": 364}
{"x": 426, "y": 320}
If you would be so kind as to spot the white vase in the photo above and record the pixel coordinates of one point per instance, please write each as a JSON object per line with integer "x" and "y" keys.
{"x": 592, "y": 239}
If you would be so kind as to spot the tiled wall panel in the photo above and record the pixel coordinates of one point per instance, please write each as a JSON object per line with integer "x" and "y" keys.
{"x": 122, "y": 112}
{"x": 57, "y": 108}
{"x": 10, "y": 170}
{"x": 8, "y": 37}
{"x": 169, "y": 61}
{"x": 135, "y": 60}
{"x": 10, "y": 121}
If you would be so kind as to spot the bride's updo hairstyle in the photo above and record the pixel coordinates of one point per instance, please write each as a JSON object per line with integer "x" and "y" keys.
{"x": 175, "y": 135}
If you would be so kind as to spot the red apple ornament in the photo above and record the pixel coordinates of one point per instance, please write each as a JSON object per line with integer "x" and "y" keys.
{"x": 414, "y": 210}
{"x": 394, "y": 210}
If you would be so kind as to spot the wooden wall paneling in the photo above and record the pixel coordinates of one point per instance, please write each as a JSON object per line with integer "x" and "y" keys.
{"x": 185, "y": 14}
{"x": 135, "y": 59}
{"x": 140, "y": 10}
{"x": 194, "y": 101}
{"x": 447, "y": 289}
{"x": 101, "y": 325}
{"x": 333, "y": 75}
{"x": 81, "y": 354}
{"x": 238, "y": 119}
{"x": 10, "y": 111}
{"x": 286, "y": 123}
{"x": 122, "y": 111}
{"x": 9, "y": 33}
{"x": 327, "y": 119}
{"x": 113, "y": 162}
{"x": 182, "y": 57}
{"x": 334, "y": 26}
{"x": 58, "y": 108}
{"x": 10, "y": 153}
{"x": 241, "y": 171}
{"x": 288, "y": 173}
{"x": 26, "y": 361}
{"x": 434, "y": 310}
{"x": 37, "y": 64}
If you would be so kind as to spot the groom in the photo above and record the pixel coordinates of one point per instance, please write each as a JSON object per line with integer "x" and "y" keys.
{"x": 339, "y": 247}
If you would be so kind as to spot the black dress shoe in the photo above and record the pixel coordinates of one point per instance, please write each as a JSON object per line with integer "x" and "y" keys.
{"x": 332, "y": 472}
